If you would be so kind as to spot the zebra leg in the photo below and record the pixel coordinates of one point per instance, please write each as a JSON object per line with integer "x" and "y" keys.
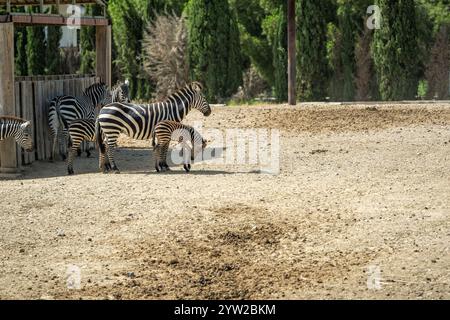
{"x": 187, "y": 167}
{"x": 163, "y": 157}
{"x": 104, "y": 167}
{"x": 156, "y": 154}
{"x": 55, "y": 144}
{"x": 153, "y": 139}
{"x": 110, "y": 153}
{"x": 63, "y": 142}
{"x": 72, "y": 152}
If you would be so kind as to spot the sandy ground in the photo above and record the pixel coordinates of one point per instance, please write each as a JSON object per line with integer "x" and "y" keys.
{"x": 360, "y": 209}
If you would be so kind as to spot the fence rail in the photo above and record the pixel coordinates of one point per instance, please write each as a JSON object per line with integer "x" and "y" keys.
{"x": 32, "y": 97}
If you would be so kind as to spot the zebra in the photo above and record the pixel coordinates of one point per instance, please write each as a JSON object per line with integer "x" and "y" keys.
{"x": 80, "y": 130}
{"x": 18, "y": 128}
{"x": 167, "y": 130}
{"x": 64, "y": 109}
{"x": 138, "y": 121}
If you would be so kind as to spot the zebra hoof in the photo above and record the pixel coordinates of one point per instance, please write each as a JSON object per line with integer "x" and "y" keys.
{"x": 88, "y": 154}
{"x": 70, "y": 172}
{"x": 187, "y": 167}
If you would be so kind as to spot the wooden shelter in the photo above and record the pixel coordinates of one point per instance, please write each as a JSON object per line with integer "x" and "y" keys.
{"x": 26, "y": 96}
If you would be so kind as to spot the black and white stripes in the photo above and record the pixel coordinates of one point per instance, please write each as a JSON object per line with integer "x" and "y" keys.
{"x": 64, "y": 110}
{"x": 19, "y": 129}
{"x": 166, "y": 131}
{"x": 139, "y": 121}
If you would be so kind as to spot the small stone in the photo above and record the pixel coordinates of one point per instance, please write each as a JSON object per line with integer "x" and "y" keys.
{"x": 173, "y": 262}
{"x": 131, "y": 275}
{"x": 22, "y": 250}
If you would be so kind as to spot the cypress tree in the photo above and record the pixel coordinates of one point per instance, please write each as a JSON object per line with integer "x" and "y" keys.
{"x": 21, "y": 52}
{"x": 311, "y": 49}
{"x": 35, "y": 49}
{"x": 395, "y": 50}
{"x": 53, "y": 55}
{"x": 438, "y": 66}
{"x": 280, "y": 56}
{"x": 20, "y": 41}
{"x": 87, "y": 43}
{"x": 214, "y": 47}
{"x": 128, "y": 26}
{"x": 348, "y": 28}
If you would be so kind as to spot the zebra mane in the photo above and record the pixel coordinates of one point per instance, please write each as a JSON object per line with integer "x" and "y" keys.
{"x": 13, "y": 118}
{"x": 189, "y": 88}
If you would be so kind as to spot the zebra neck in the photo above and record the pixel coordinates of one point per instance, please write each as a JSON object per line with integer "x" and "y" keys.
{"x": 8, "y": 130}
{"x": 180, "y": 104}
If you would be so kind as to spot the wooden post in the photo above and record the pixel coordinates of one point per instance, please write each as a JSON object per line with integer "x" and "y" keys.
{"x": 8, "y": 154}
{"x": 291, "y": 54}
{"x": 103, "y": 50}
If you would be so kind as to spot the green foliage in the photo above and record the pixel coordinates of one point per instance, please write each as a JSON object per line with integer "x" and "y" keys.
{"x": 35, "y": 50}
{"x": 258, "y": 24}
{"x": 129, "y": 18}
{"x": 52, "y": 52}
{"x": 20, "y": 51}
{"x": 128, "y": 25}
{"x": 438, "y": 11}
{"x": 312, "y": 66}
{"x": 422, "y": 89}
{"x": 214, "y": 47}
{"x": 280, "y": 57}
{"x": 87, "y": 42}
{"x": 347, "y": 54}
{"x": 395, "y": 50}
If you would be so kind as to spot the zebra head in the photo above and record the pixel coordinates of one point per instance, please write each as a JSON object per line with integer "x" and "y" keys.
{"x": 121, "y": 92}
{"x": 23, "y": 136}
{"x": 199, "y": 101}
{"x": 191, "y": 141}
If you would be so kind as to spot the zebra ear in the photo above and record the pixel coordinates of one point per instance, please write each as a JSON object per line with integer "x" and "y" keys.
{"x": 26, "y": 125}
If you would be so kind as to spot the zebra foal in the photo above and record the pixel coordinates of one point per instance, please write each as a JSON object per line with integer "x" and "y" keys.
{"x": 166, "y": 131}
{"x": 18, "y": 128}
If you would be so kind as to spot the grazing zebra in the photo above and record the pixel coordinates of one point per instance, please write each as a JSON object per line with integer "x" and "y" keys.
{"x": 64, "y": 109}
{"x": 18, "y": 128}
{"x": 167, "y": 130}
{"x": 138, "y": 121}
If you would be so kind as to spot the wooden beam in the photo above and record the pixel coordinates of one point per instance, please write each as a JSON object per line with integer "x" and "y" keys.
{"x": 8, "y": 154}
{"x": 292, "y": 98}
{"x": 103, "y": 52}
{"x": 53, "y": 19}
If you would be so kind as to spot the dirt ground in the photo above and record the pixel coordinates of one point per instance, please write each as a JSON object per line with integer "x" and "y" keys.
{"x": 360, "y": 209}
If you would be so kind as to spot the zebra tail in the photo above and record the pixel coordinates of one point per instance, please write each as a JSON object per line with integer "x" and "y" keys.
{"x": 99, "y": 135}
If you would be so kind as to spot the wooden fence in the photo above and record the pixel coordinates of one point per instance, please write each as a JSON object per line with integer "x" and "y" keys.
{"x": 32, "y": 97}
